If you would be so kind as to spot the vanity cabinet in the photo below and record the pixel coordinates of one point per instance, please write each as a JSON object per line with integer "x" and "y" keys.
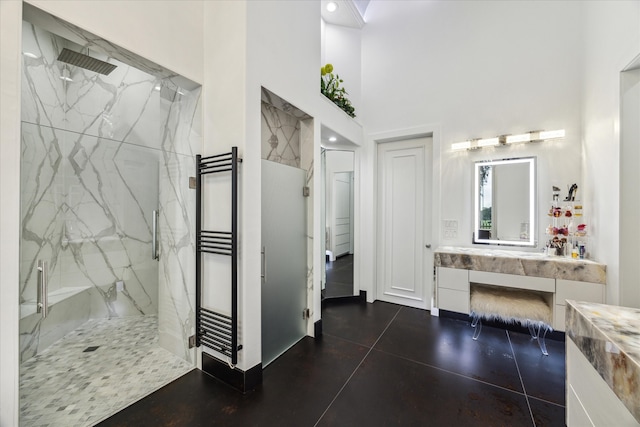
{"x": 457, "y": 270}
{"x": 590, "y": 400}
{"x": 541, "y": 284}
{"x": 453, "y": 289}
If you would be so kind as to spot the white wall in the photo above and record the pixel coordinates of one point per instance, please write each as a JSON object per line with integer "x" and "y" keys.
{"x": 10, "y": 76}
{"x": 283, "y": 55}
{"x": 263, "y": 47}
{"x": 629, "y": 189}
{"x": 476, "y": 69}
{"x": 170, "y": 35}
{"x": 342, "y": 48}
{"x": 612, "y": 41}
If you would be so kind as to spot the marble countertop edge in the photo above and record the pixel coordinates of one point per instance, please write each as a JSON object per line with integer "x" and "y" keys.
{"x": 633, "y": 355}
{"x": 614, "y": 354}
{"x": 520, "y": 263}
{"x": 522, "y": 255}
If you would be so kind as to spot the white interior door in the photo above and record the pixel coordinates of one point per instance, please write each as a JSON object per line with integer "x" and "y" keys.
{"x": 342, "y": 213}
{"x": 284, "y": 240}
{"x": 404, "y": 262}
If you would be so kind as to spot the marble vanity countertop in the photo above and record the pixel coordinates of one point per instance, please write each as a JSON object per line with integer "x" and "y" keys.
{"x": 520, "y": 263}
{"x": 609, "y": 337}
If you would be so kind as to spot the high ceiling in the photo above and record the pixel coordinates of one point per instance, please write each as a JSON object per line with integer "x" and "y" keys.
{"x": 350, "y": 13}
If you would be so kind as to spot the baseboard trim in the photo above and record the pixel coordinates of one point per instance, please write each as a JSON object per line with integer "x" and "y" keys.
{"x": 244, "y": 381}
{"x": 362, "y": 298}
{"x": 317, "y": 329}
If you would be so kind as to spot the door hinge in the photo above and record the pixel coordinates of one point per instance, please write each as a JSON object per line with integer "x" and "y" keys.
{"x": 192, "y": 182}
{"x": 192, "y": 341}
{"x": 305, "y": 191}
{"x": 306, "y": 313}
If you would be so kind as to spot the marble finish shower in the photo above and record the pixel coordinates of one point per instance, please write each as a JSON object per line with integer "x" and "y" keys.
{"x": 100, "y": 154}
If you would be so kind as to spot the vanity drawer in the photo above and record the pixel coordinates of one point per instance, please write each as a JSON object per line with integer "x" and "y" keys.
{"x": 452, "y": 300}
{"x": 580, "y": 291}
{"x": 513, "y": 281}
{"x": 453, "y": 278}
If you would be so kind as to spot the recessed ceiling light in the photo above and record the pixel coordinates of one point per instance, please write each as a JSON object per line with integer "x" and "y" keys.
{"x": 333, "y": 139}
{"x": 332, "y": 6}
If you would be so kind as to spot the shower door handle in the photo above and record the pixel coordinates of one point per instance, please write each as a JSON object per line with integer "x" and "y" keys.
{"x": 154, "y": 236}
{"x": 263, "y": 275}
{"x": 43, "y": 292}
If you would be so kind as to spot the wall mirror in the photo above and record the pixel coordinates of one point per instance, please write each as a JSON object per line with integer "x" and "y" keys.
{"x": 338, "y": 215}
{"x": 505, "y": 202}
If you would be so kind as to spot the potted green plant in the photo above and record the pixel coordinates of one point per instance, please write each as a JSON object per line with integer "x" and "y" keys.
{"x": 330, "y": 86}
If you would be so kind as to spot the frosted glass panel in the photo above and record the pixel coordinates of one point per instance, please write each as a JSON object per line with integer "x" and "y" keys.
{"x": 284, "y": 292}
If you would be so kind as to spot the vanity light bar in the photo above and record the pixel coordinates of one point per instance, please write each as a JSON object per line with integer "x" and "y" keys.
{"x": 488, "y": 142}
{"x": 465, "y": 145}
{"x": 535, "y": 136}
{"x": 551, "y": 134}
{"x": 512, "y": 139}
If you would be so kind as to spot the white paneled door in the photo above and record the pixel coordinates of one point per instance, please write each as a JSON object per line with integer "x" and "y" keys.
{"x": 404, "y": 257}
{"x": 342, "y": 215}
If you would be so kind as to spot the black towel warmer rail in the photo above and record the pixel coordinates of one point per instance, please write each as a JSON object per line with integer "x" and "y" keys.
{"x": 216, "y": 330}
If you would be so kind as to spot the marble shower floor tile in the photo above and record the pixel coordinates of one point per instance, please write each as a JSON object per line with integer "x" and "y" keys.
{"x": 95, "y": 371}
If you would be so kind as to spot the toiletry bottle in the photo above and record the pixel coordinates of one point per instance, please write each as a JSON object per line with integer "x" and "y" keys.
{"x": 583, "y": 250}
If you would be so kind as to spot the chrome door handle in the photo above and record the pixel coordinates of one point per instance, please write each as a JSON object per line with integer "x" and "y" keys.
{"x": 263, "y": 274}
{"x": 43, "y": 292}
{"x": 154, "y": 236}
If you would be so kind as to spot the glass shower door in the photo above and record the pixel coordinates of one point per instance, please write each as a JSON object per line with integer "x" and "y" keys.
{"x": 284, "y": 293}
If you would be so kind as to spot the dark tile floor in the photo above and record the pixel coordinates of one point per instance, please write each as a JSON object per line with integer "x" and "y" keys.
{"x": 377, "y": 365}
{"x": 339, "y": 277}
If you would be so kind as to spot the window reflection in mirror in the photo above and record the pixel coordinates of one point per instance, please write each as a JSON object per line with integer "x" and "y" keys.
{"x": 505, "y": 202}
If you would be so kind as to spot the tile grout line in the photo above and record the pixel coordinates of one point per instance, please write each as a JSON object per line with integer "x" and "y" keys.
{"x": 345, "y": 340}
{"x": 454, "y": 373}
{"x": 357, "y": 367}
{"x": 547, "y": 401}
{"x": 520, "y": 376}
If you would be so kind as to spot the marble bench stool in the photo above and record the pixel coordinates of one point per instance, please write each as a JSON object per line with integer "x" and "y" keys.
{"x": 511, "y": 305}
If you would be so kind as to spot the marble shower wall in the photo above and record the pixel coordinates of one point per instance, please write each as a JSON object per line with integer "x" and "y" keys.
{"x": 87, "y": 205}
{"x": 100, "y": 153}
{"x": 280, "y": 136}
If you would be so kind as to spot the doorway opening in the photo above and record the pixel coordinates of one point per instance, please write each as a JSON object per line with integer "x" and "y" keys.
{"x": 287, "y": 224}
{"x": 106, "y": 245}
{"x": 339, "y": 223}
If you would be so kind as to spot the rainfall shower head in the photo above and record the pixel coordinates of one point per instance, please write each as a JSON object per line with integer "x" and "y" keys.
{"x": 86, "y": 62}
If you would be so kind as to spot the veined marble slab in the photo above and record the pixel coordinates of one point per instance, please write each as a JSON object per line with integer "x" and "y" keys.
{"x": 99, "y": 154}
{"x": 609, "y": 337}
{"x": 521, "y": 263}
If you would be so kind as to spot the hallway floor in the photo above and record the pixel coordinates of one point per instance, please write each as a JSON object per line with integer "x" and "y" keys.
{"x": 339, "y": 277}
{"x": 377, "y": 365}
